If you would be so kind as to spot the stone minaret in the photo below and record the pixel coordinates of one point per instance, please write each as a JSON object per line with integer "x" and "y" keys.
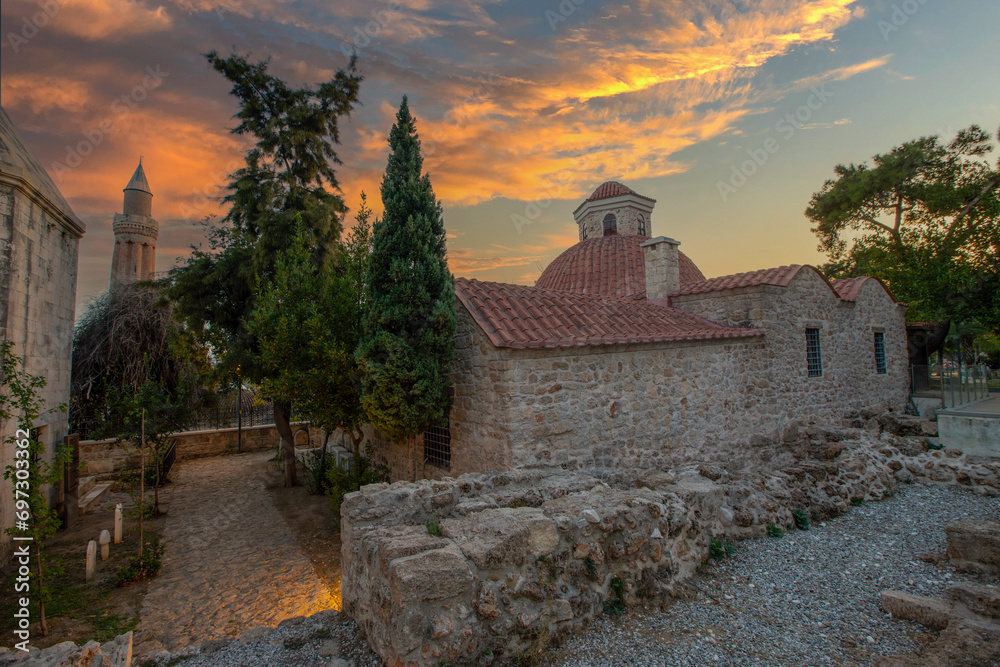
{"x": 135, "y": 231}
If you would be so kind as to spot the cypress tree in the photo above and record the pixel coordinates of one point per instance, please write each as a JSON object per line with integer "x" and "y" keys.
{"x": 407, "y": 344}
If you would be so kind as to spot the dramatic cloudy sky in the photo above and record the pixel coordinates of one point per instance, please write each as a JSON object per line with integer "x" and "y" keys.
{"x": 524, "y": 107}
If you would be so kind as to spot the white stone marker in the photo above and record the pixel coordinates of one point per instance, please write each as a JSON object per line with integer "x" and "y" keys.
{"x": 91, "y": 559}
{"x": 118, "y": 523}
{"x": 105, "y": 541}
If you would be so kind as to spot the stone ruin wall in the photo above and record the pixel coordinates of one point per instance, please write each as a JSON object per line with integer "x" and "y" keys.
{"x": 522, "y": 558}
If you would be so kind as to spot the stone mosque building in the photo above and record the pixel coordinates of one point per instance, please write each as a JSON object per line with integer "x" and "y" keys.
{"x": 624, "y": 355}
{"x": 134, "y": 256}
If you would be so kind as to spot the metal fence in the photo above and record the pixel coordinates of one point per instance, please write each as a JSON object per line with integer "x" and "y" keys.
{"x": 225, "y": 413}
{"x": 956, "y": 385}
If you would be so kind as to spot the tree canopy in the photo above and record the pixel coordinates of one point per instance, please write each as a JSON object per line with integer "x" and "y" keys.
{"x": 308, "y": 324}
{"x": 287, "y": 186}
{"x": 407, "y": 339}
{"x": 926, "y": 219}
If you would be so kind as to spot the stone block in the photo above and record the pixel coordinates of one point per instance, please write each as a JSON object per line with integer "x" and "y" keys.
{"x": 932, "y": 612}
{"x": 432, "y": 575}
{"x": 491, "y": 538}
{"x": 980, "y": 599}
{"x": 975, "y": 542}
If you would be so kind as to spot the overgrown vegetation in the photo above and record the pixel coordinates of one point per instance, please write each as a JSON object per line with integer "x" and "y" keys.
{"x": 32, "y": 471}
{"x": 774, "y": 531}
{"x": 719, "y": 549}
{"x": 434, "y": 528}
{"x": 342, "y": 480}
{"x": 145, "y": 565}
{"x": 614, "y": 605}
{"x": 124, "y": 340}
{"x": 800, "y": 518}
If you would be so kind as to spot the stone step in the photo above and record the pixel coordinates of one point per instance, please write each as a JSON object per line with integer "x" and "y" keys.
{"x": 86, "y": 484}
{"x": 87, "y": 501}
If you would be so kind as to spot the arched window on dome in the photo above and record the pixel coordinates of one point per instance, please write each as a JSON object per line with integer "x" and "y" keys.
{"x": 610, "y": 224}
{"x": 642, "y": 225}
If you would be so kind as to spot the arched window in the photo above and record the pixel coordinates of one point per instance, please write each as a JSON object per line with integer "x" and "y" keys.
{"x": 642, "y": 225}
{"x": 610, "y": 224}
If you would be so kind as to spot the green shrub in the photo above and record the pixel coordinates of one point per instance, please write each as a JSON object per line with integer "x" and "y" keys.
{"x": 615, "y": 604}
{"x": 146, "y": 566}
{"x": 590, "y": 567}
{"x": 719, "y": 549}
{"x": 801, "y": 519}
{"x": 774, "y": 531}
{"x": 857, "y": 501}
{"x": 342, "y": 480}
{"x": 433, "y": 528}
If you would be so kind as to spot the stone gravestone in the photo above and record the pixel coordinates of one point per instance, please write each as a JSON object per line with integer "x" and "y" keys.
{"x": 118, "y": 523}
{"x": 91, "y": 559}
{"x": 105, "y": 541}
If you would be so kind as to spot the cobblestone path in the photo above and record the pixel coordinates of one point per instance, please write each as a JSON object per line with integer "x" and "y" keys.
{"x": 231, "y": 563}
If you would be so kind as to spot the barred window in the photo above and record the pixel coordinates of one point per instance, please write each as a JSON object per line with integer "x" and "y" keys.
{"x": 642, "y": 225}
{"x": 814, "y": 358}
{"x": 610, "y": 224}
{"x": 880, "y": 353}
{"x": 437, "y": 446}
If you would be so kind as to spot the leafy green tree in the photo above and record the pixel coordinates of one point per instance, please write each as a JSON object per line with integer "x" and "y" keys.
{"x": 409, "y": 325}
{"x": 288, "y": 181}
{"x": 308, "y": 324}
{"x": 926, "y": 219}
{"x": 33, "y": 471}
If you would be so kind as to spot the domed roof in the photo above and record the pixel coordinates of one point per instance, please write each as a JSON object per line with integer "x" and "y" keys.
{"x": 610, "y": 266}
{"x": 610, "y": 189}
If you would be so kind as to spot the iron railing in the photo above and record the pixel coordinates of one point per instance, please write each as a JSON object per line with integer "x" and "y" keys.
{"x": 956, "y": 385}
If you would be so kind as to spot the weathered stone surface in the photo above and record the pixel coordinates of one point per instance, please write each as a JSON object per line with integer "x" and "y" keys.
{"x": 932, "y": 612}
{"x": 491, "y": 538}
{"x": 431, "y": 575}
{"x": 982, "y": 600}
{"x": 976, "y": 542}
{"x": 961, "y": 644}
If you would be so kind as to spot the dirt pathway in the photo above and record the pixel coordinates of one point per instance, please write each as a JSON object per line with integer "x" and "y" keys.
{"x": 231, "y": 561}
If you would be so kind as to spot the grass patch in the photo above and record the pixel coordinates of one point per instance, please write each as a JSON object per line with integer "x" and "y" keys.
{"x": 434, "y": 528}
{"x": 801, "y": 519}
{"x": 774, "y": 531}
{"x": 110, "y": 626}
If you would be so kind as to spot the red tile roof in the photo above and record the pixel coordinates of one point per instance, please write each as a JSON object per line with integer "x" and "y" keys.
{"x": 849, "y": 288}
{"x": 528, "y": 317}
{"x": 610, "y": 189}
{"x": 610, "y": 266}
{"x": 779, "y": 276}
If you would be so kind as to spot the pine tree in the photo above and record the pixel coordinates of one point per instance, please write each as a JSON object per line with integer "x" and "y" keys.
{"x": 407, "y": 342}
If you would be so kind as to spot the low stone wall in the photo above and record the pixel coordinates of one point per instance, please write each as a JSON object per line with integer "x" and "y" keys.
{"x": 105, "y": 457}
{"x": 485, "y": 568}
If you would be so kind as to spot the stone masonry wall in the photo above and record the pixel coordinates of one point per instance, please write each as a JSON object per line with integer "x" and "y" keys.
{"x": 849, "y": 384}
{"x": 626, "y": 215}
{"x": 38, "y": 265}
{"x": 485, "y": 569}
{"x": 104, "y": 457}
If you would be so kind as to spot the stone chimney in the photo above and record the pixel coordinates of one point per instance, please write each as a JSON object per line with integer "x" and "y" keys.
{"x": 663, "y": 274}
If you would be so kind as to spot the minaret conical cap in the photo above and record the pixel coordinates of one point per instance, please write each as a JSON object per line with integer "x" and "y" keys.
{"x": 138, "y": 181}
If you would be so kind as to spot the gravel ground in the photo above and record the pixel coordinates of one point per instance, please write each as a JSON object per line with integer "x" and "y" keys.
{"x": 809, "y": 598}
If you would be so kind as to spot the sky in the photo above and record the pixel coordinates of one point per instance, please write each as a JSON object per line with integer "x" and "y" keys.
{"x": 730, "y": 114}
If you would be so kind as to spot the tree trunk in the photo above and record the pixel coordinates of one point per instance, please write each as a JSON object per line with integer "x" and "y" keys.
{"x": 282, "y": 416}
